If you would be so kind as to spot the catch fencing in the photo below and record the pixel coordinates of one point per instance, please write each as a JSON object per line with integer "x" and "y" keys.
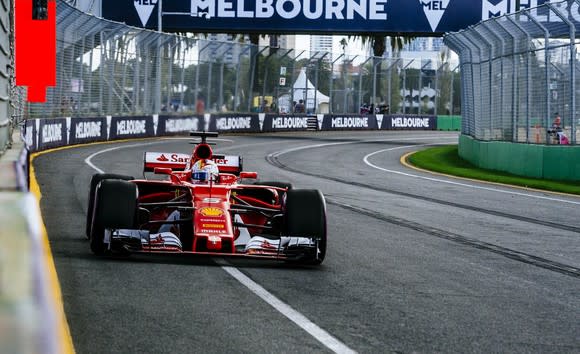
{"x": 519, "y": 73}
{"x": 107, "y": 68}
{"x": 6, "y": 74}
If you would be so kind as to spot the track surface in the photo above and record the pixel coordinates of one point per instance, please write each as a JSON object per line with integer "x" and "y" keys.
{"x": 415, "y": 262}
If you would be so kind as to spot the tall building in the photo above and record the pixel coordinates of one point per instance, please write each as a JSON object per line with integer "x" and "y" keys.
{"x": 321, "y": 44}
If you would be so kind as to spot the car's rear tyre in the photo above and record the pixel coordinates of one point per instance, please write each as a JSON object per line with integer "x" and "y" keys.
{"x": 305, "y": 216}
{"x": 114, "y": 208}
{"x": 98, "y": 177}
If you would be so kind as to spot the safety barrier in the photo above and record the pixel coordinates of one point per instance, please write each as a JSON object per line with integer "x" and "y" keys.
{"x": 30, "y": 316}
{"x": 448, "y": 122}
{"x": 41, "y": 134}
{"x": 556, "y": 162}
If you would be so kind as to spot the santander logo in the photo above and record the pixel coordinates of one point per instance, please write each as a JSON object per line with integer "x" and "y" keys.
{"x": 162, "y": 158}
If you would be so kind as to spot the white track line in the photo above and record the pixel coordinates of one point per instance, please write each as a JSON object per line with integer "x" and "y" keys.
{"x": 472, "y": 186}
{"x": 432, "y": 179}
{"x": 299, "y": 319}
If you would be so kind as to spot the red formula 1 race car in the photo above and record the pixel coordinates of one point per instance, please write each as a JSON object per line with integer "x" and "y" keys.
{"x": 202, "y": 207}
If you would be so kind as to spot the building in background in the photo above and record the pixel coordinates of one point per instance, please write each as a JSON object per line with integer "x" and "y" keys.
{"x": 322, "y": 44}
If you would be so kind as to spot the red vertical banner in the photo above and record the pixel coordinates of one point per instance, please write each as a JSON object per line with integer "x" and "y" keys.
{"x": 35, "y": 49}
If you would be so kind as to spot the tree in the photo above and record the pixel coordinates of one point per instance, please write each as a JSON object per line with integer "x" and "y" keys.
{"x": 378, "y": 43}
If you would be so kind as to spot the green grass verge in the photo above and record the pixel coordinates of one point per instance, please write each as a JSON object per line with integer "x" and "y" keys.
{"x": 445, "y": 159}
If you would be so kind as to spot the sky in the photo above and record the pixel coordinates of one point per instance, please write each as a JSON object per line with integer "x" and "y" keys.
{"x": 354, "y": 46}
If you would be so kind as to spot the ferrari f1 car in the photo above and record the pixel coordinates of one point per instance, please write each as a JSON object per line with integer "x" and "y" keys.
{"x": 219, "y": 215}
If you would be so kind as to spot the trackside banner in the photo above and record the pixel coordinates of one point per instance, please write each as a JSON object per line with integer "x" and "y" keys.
{"x": 52, "y": 133}
{"x": 42, "y": 134}
{"x": 276, "y": 122}
{"x": 30, "y": 134}
{"x": 86, "y": 130}
{"x": 408, "y": 122}
{"x": 238, "y": 123}
{"x": 130, "y": 127}
{"x": 172, "y": 125}
{"x": 425, "y": 17}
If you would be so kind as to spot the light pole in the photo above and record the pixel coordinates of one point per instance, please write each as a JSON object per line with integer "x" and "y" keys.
{"x": 159, "y": 51}
{"x": 330, "y": 83}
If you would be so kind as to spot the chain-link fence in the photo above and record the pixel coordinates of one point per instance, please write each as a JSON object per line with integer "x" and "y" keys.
{"x": 6, "y": 74}
{"x": 108, "y": 68}
{"x": 519, "y": 76}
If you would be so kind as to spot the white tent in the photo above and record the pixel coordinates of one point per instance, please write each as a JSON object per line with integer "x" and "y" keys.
{"x": 304, "y": 90}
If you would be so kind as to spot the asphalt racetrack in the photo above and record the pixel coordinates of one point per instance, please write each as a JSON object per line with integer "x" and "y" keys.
{"x": 415, "y": 262}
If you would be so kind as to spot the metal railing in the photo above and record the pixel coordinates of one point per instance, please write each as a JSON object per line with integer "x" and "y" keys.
{"x": 519, "y": 75}
{"x": 108, "y": 68}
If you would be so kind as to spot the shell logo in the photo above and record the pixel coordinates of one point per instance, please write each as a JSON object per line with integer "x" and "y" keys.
{"x": 211, "y": 211}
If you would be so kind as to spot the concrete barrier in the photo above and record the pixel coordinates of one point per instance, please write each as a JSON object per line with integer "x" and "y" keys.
{"x": 32, "y": 317}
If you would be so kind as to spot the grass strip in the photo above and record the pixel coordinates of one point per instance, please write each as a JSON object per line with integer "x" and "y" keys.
{"x": 445, "y": 159}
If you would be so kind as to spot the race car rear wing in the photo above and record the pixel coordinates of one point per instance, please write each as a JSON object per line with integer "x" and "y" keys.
{"x": 179, "y": 161}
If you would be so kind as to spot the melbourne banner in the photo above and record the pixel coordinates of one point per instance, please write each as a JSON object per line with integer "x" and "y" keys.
{"x": 424, "y": 17}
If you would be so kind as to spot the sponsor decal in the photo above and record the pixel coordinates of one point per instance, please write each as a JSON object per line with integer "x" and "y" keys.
{"x": 350, "y": 122}
{"x": 320, "y": 119}
{"x": 52, "y": 132}
{"x": 144, "y": 9}
{"x": 410, "y": 122}
{"x": 88, "y": 129}
{"x": 68, "y": 121}
{"x": 211, "y": 220}
{"x": 162, "y": 158}
{"x": 290, "y": 9}
{"x": 261, "y": 118}
{"x": 211, "y": 200}
{"x": 131, "y": 127}
{"x": 434, "y": 10}
{"x": 212, "y": 231}
{"x": 569, "y": 9}
{"x": 109, "y": 119}
{"x": 211, "y": 211}
{"x": 213, "y": 226}
{"x": 29, "y": 136}
{"x": 290, "y": 122}
{"x": 206, "y": 121}
{"x": 181, "y": 125}
{"x": 233, "y": 123}
{"x": 379, "y": 120}
{"x": 179, "y": 158}
{"x": 223, "y": 161}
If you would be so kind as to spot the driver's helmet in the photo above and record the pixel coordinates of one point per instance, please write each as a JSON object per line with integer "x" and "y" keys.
{"x": 204, "y": 170}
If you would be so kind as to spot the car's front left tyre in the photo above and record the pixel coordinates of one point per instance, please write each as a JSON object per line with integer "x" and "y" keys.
{"x": 95, "y": 180}
{"x": 115, "y": 206}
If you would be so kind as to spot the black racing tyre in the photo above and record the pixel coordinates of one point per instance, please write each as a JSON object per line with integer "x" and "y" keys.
{"x": 114, "y": 208}
{"x": 98, "y": 177}
{"x": 305, "y": 216}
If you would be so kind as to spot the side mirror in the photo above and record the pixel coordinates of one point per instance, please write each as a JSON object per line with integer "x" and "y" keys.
{"x": 253, "y": 175}
{"x": 162, "y": 171}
